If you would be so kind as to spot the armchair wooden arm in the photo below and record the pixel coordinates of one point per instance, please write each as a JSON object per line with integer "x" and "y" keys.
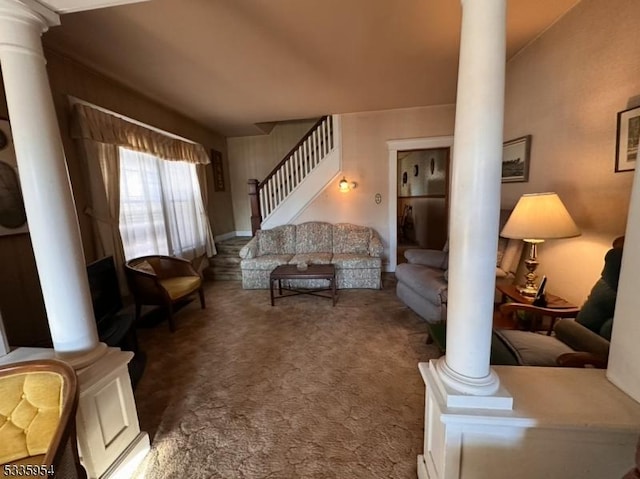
{"x": 580, "y": 359}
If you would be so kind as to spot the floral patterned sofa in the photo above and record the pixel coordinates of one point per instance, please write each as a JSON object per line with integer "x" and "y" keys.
{"x": 354, "y": 250}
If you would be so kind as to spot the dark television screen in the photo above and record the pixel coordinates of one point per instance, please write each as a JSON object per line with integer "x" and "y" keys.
{"x": 105, "y": 291}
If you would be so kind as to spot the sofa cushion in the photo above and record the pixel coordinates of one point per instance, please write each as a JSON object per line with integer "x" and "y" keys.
{"x": 355, "y": 261}
{"x": 180, "y": 286}
{"x": 510, "y": 256}
{"x": 428, "y": 282}
{"x": 502, "y": 246}
{"x": 268, "y": 262}
{"x": 279, "y": 240}
{"x": 532, "y": 349}
{"x": 314, "y": 237}
{"x": 311, "y": 258}
{"x": 353, "y": 239}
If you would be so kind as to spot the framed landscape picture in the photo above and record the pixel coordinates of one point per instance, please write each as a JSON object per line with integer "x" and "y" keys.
{"x": 515, "y": 160}
{"x": 627, "y": 139}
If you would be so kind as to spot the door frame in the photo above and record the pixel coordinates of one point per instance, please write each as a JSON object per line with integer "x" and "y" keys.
{"x": 394, "y": 146}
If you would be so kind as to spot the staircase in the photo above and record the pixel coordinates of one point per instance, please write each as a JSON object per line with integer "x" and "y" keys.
{"x": 314, "y": 161}
{"x": 225, "y": 266}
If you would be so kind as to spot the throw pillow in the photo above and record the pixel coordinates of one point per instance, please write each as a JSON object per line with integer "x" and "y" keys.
{"x": 314, "y": 237}
{"x": 278, "y": 240}
{"x": 145, "y": 267}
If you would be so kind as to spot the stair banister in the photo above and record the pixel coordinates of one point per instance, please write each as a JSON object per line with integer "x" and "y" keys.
{"x": 256, "y": 215}
{"x": 266, "y": 195}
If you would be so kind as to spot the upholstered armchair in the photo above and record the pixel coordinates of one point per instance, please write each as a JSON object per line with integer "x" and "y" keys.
{"x": 162, "y": 281}
{"x": 38, "y": 401}
{"x": 575, "y": 343}
{"x": 423, "y": 281}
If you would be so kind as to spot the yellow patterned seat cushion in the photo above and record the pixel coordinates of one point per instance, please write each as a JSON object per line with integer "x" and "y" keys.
{"x": 180, "y": 286}
{"x": 30, "y": 408}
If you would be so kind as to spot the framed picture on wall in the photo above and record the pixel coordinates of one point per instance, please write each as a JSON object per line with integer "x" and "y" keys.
{"x": 515, "y": 160}
{"x": 218, "y": 172}
{"x": 627, "y": 139}
{"x": 13, "y": 218}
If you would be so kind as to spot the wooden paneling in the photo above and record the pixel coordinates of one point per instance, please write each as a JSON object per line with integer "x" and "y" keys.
{"x": 20, "y": 296}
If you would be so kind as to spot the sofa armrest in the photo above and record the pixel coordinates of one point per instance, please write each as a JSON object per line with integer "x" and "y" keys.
{"x": 250, "y": 250}
{"x": 580, "y": 338}
{"x": 427, "y": 257}
{"x": 375, "y": 245}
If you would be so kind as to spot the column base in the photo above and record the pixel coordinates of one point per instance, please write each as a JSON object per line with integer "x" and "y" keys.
{"x": 84, "y": 359}
{"x": 462, "y": 391}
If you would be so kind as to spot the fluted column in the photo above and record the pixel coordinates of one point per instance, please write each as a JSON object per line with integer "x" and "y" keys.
{"x": 44, "y": 179}
{"x": 475, "y": 201}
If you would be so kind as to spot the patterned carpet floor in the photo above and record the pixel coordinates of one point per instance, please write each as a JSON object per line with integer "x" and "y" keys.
{"x": 300, "y": 390}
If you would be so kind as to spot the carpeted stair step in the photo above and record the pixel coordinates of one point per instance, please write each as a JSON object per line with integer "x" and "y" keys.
{"x": 225, "y": 266}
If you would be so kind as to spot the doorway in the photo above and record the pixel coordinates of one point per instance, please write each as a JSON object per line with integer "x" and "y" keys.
{"x": 419, "y": 206}
{"x": 422, "y": 199}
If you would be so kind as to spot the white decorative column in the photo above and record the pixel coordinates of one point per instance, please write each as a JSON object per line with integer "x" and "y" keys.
{"x": 110, "y": 442}
{"x": 44, "y": 179}
{"x": 475, "y": 199}
{"x": 532, "y": 422}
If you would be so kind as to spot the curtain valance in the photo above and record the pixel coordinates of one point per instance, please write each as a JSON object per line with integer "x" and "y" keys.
{"x": 93, "y": 124}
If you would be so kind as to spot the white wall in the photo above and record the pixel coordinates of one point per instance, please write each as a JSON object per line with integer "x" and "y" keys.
{"x": 253, "y": 157}
{"x": 365, "y": 160}
{"x": 565, "y": 89}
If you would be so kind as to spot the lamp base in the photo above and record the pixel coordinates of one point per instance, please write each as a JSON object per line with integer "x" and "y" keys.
{"x": 527, "y": 290}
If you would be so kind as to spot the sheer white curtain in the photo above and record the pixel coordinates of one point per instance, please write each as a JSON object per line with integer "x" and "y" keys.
{"x": 161, "y": 209}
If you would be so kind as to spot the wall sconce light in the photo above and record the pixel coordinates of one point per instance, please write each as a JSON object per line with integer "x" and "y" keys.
{"x": 345, "y": 185}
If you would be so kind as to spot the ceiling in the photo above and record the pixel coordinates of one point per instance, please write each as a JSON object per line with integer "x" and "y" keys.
{"x": 232, "y": 64}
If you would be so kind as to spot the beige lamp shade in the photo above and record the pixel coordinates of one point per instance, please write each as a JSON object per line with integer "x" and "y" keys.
{"x": 540, "y": 216}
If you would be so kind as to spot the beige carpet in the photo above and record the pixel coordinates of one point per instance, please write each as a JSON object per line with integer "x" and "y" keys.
{"x": 299, "y": 390}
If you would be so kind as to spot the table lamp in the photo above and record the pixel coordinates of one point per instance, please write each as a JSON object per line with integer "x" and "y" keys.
{"x": 537, "y": 217}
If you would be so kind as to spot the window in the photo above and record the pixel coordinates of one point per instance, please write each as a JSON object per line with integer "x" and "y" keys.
{"x": 161, "y": 209}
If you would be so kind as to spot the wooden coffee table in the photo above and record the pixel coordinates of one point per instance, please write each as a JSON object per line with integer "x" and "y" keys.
{"x": 313, "y": 271}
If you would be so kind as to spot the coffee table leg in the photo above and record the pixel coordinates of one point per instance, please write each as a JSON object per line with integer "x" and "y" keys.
{"x": 333, "y": 290}
{"x": 271, "y": 290}
{"x": 280, "y": 287}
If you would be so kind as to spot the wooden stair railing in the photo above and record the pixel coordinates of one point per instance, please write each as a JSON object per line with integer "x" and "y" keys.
{"x": 266, "y": 195}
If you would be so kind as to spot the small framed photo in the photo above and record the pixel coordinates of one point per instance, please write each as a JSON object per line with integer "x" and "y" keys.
{"x": 627, "y": 139}
{"x": 218, "y": 172}
{"x": 515, "y": 160}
